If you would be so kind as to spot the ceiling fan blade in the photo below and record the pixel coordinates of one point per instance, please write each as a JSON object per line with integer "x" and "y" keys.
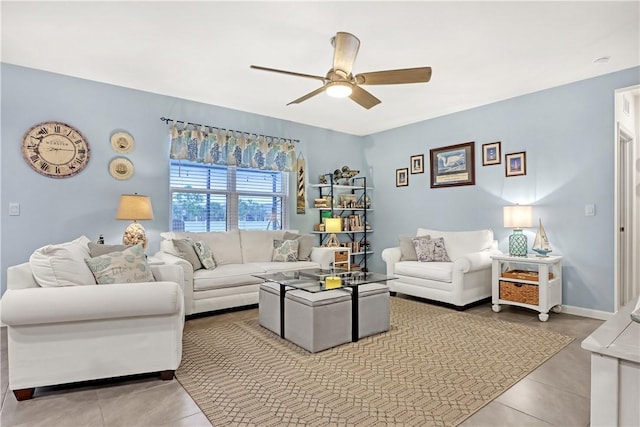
{"x": 391, "y": 77}
{"x": 307, "y": 96}
{"x": 291, "y": 73}
{"x": 346, "y": 48}
{"x": 363, "y": 97}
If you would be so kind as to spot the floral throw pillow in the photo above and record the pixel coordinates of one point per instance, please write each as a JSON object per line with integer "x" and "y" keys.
{"x": 431, "y": 250}
{"x": 204, "y": 253}
{"x": 128, "y": 266}
{"x": 285, "y": 251}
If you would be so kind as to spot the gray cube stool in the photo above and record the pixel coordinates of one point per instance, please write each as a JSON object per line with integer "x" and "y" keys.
{"x": 269, "y": 306}
{"x": 373, "y": 309}
{"x": 317, "y": 321}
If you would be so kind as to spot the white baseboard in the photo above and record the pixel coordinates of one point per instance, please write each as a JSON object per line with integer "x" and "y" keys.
{"x": 586, "y": 312}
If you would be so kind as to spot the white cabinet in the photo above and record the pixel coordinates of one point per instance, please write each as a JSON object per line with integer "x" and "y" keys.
{"x": 615, "y": 370}
{"x": 532, "y": 282}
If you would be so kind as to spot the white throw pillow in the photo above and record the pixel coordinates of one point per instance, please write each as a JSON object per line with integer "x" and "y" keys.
{"x": 128, "y": 266}
{"x": 285, "y": 251}
{"x": 62, "y": 264}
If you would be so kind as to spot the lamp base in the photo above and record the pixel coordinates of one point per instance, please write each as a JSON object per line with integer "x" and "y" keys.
{"x": 135, "y": 234}
{"x": 518, "y": 244}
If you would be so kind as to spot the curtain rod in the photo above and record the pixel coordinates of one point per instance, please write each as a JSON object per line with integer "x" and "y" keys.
{"x": 164, "y": 119}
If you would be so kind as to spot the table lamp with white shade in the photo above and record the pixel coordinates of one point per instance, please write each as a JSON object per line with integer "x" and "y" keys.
{"x": 518, "y": 217}
{"x": 134, "y": 207}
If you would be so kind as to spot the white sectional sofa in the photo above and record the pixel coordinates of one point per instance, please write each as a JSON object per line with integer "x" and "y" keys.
{"x": 238, "y": 254}
{"x": 465, "y": 279}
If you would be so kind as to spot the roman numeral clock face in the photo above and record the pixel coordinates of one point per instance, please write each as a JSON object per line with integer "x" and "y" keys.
{"x": 55, "y": 149}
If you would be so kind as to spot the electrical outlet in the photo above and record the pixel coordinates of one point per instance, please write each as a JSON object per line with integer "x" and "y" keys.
{"x": 14, "y": 209}
{"x": 589, "y": 210}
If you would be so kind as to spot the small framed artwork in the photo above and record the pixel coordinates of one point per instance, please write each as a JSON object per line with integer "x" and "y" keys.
{"x": 491, "y": 154}
{"x": 402, "y": 177}
{"x": 515, "y": 164}
{"x": 453, "y": 165}
{"x": 417, "y": 163}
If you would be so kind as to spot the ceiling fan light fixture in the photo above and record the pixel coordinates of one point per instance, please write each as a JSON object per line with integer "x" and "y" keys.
{"x": 338, "y": 89}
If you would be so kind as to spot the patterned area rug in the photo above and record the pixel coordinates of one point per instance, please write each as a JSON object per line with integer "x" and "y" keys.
{"x": 434, "y": 367}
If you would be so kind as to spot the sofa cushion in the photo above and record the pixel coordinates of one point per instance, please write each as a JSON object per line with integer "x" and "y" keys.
{"x": 459, "y": 243}
{"x": 225, "y": 246}
{"x": 430, "y": 250}
{"x": 128, "y": 266}
{"x": 226, "y": 276}
{"x": 203, "y": 251}
{"x": 185, "y": 249}
{"x": 407, "y": 249}
{"x": 285, "y": 251}
{"x": 438, "y": 271}
{"x": 62, "y": 264}
{"x": 305, "y": 244}
{"x": 97, "y": 249}
{"x": 257, "y": 245}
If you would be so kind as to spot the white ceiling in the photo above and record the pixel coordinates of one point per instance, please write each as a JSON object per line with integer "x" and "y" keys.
{"x": 480, "y": 52}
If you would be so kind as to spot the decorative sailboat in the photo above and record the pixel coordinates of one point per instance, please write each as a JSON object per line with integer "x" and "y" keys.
{"x": 541, "y": 243}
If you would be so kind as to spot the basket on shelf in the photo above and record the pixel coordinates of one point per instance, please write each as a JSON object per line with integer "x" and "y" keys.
{"x": 524, "y": 293}
{"x": 341, "y": 256}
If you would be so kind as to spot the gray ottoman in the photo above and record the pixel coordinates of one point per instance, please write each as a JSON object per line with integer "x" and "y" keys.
{"x": 269, "y": 306}
{"x": 317, "y": 321}
{"x": 373, "y": 309}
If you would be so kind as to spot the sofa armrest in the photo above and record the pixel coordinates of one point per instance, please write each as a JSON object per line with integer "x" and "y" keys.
{"x": 391, "y": 256}
{"x": 323, "y": 256}
{"x": 168, "y": 273}
{"x": 475, "y": 261}
{"x": 187, "y": 270}
{"x": 35, "y": 306}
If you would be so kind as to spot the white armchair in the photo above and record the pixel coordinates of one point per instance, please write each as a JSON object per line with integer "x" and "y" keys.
{"x": 66, "y": 334}
{"x": 464, "y": 280}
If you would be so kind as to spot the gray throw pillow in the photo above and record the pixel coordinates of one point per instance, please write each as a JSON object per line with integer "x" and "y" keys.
{"x": 432, "y": 250}
{"x": 305, "y": 244}
{"x": 186, "y": 251}
{"x": 97, "y": 249}
{"x": 407, "y": 248}
{"x": 285, "y": 251}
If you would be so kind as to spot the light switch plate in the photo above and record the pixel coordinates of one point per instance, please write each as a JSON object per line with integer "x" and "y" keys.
{"x": 14, "y": 209}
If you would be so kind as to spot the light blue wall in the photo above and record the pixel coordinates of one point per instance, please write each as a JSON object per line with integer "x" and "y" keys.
{"x": 567, "y": 133}
{"x": 568, "y": 136}
{"x": 58, "y": 210}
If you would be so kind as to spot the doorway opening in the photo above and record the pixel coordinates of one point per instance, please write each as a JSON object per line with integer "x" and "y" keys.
{"x": 627, "y": 196}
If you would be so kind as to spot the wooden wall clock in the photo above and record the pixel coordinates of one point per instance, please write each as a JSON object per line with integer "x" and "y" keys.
{"x": 55, "y": 149}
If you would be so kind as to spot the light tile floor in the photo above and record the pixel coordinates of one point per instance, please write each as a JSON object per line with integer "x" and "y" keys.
{"x": 555, "y": 394}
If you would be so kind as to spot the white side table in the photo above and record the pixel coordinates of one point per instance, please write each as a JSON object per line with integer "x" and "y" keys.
{"x": 549, "y": 289}
{"x": 344, "y": 263}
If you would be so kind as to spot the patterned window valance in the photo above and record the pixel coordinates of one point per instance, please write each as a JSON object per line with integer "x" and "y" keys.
{"x": 205, "y": 144}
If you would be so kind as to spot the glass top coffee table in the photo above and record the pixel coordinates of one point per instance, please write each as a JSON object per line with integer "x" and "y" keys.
{"x": 321, "y": 280}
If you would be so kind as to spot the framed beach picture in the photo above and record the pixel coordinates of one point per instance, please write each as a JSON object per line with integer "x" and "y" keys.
{"x": 417, "y": 163}
{"x": 453, "y": 165}
{"x": 402, "y": 177}
{"x": 491, "y": 154}
{"x": 515, "y": 164}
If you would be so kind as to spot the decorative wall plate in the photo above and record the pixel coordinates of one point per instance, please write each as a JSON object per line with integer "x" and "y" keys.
{"x": 122, "y": 142}
{"x": 121, "y": 168}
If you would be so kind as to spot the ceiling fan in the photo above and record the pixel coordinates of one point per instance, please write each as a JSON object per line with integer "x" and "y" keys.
{"x": 340, "y": 83}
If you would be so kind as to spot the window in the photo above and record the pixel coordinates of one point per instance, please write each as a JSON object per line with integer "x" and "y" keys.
{"x": 219, "y": 198}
